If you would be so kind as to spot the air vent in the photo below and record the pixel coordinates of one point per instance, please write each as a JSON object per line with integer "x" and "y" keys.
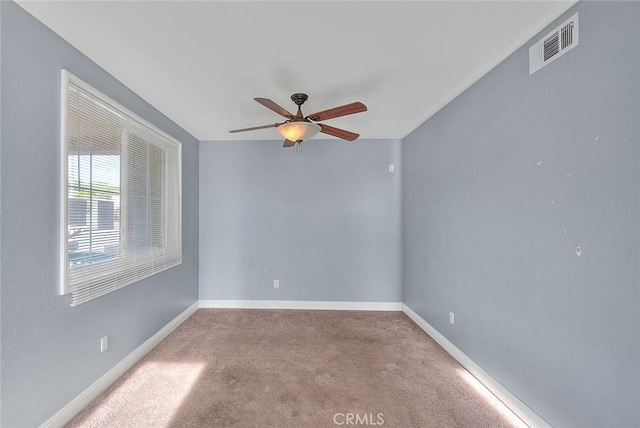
{"x": 551, "y": 47}
{"x": 554, "y": 45}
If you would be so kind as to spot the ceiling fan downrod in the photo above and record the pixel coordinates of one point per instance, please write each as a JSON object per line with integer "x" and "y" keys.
{"x": 299, "y": 99}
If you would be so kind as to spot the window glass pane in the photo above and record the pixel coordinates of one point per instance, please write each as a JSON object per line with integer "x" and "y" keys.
{"x": 106, "y": 217}
{"x": 77, "y": 212}
{"x": 94, "y": 207}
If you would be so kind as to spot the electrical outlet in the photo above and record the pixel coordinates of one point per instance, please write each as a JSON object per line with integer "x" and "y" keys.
{"x": 452, "y": 318}
{"x": 276, "y": 283}
{"x": 104, "y": 343}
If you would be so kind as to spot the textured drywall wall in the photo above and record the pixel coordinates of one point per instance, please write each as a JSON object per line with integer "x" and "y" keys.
{"x": 50, "y": 351}
{"x": 325, "y": 222}
{"x": 521, "y": 215}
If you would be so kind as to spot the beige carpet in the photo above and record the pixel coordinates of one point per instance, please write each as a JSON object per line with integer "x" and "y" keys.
{"x": 272, "y": 368}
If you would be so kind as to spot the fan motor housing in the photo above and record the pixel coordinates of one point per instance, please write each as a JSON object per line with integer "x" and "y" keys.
{"x": 299, "y": 98}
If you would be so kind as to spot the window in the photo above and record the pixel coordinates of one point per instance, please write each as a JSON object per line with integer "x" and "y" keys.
{"x": 121, "y": 195}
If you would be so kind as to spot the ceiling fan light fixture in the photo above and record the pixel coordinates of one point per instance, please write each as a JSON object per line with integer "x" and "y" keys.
{"x": 299, "y": 131}
{"x": 298, "y": 128}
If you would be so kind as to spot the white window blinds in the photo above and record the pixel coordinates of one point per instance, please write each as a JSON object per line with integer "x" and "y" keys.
{"x": 121, "y": 188}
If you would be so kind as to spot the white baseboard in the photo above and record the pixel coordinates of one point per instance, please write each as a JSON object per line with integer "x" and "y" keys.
{"x": 514, "y": 404}
{"x": 74, "y": 407}
{"x": 301, "y": 304}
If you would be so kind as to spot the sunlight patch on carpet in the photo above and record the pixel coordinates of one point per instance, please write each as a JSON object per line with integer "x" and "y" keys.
{"x": 488, "y": 396}
{"x": 161, "y": 387}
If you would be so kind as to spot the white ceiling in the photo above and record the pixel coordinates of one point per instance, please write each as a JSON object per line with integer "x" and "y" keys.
{"x": 202, "y": 63}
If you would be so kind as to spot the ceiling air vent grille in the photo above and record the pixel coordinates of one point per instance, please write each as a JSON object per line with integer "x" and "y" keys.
{"x": 551, "y": 47}
{"x": 566, "y": 35}
{"x": 554, "y": 45}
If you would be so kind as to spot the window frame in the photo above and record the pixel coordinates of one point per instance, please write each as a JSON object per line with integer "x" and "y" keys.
{"x": 68, "y": 78}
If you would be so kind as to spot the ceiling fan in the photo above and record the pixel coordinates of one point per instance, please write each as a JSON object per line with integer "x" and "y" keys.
{"x": 298, "y": 128}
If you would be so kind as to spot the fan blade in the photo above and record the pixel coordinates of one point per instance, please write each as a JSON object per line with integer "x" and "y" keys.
{"x": 274, "y": 107}
{"x": 275, "y": 125}
{"x": 344, "y": 110}
{"x": 337, "y": 132}
{"x": 289, "y": 143}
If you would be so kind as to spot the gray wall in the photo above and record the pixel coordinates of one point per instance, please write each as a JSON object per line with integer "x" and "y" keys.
{"x": 326, "y": 221}
{"x": 501, "y": 186}
{"x": 50, "y": 351}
